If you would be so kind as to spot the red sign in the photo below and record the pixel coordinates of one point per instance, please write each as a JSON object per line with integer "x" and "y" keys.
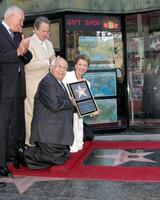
{"x": 110, "y": 25}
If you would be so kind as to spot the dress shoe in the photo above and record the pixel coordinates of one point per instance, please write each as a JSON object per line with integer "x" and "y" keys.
{"x": 4, "y": 171}
{"x": 16, "y": 163}
{"x": 20, "y": 159}
{"x": 2, "y": 184}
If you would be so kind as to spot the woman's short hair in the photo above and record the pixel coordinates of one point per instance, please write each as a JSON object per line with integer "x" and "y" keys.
{"x": 83, "y": 57}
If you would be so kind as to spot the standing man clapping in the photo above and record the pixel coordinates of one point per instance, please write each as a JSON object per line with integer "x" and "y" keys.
{"x": 13, "y": 55}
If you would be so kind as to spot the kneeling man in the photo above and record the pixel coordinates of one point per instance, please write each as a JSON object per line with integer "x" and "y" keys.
{"x": 52, "y": 130}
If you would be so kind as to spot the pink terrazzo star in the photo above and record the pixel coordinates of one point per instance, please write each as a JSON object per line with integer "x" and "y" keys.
{"x": 24, "y": 182}
{"x": 124, "y": 156}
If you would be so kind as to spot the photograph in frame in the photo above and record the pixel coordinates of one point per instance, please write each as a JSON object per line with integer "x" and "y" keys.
{"x": 102, "y": 83}
{"x": 84, "y": 99}
{"x": 108, "y": 112}
{"x": 98, "y": 48}
{"x": 101, "y": 66}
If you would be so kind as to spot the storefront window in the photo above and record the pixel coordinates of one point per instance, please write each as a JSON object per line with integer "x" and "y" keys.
{"x": 100, "y": 38}
{"x": 143, "y": 50}
{"x": 55, "y": 35}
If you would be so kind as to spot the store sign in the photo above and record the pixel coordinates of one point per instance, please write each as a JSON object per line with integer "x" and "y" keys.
{"x": 96, "y": 23}
{"x": 110, "y": 24}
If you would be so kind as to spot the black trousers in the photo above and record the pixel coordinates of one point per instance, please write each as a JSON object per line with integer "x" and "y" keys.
{"x": 45, "y": 155}
{"x": 12, "y": 125}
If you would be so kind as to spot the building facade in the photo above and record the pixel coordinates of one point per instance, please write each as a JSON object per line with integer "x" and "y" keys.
{"x": 122, "y": 40}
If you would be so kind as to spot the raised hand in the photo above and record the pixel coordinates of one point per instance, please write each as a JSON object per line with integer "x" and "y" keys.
{"x": 23, "y": 46}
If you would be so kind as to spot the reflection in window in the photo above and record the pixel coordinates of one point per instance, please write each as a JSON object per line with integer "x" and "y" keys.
{"x": 143, "y": 45}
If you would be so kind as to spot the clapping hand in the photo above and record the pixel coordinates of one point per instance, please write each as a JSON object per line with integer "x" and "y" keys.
{"x": 23, "y": 46}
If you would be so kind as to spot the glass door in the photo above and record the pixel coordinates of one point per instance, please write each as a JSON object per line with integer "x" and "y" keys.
{"x": 143, "y": 72}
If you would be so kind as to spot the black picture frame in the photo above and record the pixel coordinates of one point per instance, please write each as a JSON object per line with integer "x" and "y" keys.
{"x": 85, "y": 102}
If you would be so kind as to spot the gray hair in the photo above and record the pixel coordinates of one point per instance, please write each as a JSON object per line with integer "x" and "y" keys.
{"x": 12, "y": 10}
{"x": 39, "y": 20}
{"x": 55, "y": 62}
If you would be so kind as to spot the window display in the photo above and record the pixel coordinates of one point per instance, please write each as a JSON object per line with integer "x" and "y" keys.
{"x": 100, "y": 38}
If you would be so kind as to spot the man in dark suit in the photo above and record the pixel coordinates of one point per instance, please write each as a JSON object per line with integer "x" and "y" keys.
{"x": 13, "y": 55}
{"x": 51, "y": 128}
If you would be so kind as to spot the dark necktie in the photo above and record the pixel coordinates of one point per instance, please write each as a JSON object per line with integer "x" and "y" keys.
{"x": 13, "y": 38}
{"x": 61, "y": 83}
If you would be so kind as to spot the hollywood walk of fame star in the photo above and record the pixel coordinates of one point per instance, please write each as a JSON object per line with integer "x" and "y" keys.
{"x": 24, "y": 182}
{"x": 153, "y": 45}
{"x": 124, "y": 156}
{"x": 81, "y": 91}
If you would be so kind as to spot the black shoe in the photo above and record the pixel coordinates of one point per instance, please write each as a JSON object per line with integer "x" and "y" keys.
{"x": 20, "y": 159}
{"x": 2, "y": 184}
{"x": 4, "y": 171}
{"x": 16, "y": 164}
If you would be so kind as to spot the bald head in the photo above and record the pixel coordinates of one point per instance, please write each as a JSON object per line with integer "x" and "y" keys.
{"x": 59, "y": 68}
{"x": 14, "y": 18}
{"x": 58, "y": 60}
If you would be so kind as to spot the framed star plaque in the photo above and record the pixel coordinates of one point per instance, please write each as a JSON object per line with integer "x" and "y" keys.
{"x": 85, "y": 102}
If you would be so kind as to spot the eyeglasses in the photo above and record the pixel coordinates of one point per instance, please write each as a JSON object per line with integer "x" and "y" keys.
{"x": 62, "y": 67}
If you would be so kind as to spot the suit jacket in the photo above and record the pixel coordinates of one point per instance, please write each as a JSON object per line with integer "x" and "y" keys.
{"x": 10, "y": 63}
{"x": 53, "y": 114}
{"x": 38, "y": 67}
